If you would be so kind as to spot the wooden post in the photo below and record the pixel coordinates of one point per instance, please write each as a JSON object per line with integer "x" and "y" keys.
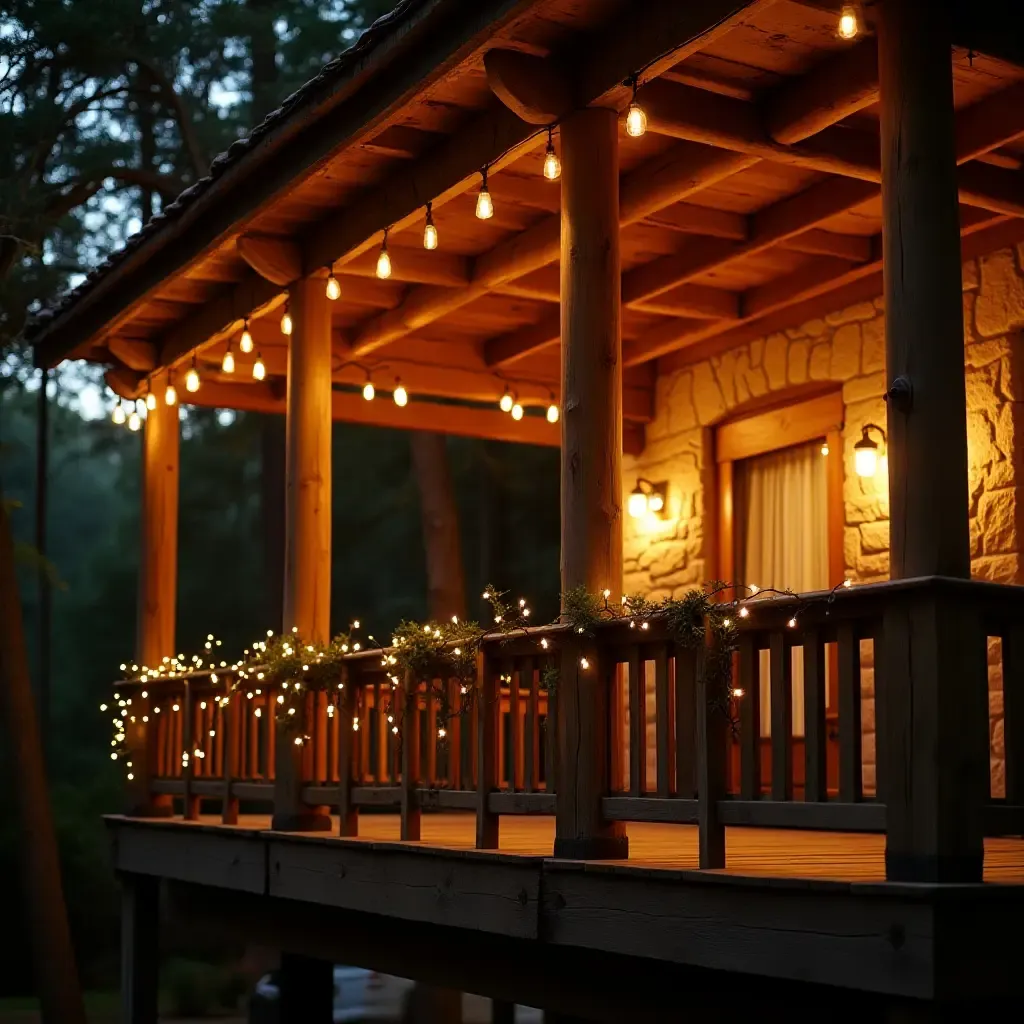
{"x": 140, "y": 948}
{"x": 591, "y": 463}
{"x": 929, "y": 754}
{"x": 307, "y": 572}
{"x": 158, "y": 591}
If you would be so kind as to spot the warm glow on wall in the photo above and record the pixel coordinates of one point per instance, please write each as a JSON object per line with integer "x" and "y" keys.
{"x": 647, "y": 498}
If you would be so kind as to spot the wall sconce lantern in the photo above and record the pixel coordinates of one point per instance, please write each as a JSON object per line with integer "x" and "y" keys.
{"x": 865, "y": 451}
{"x": 647, "y": 497}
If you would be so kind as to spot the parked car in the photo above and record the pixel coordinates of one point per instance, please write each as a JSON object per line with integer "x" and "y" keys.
{"x": 361, "y": 995}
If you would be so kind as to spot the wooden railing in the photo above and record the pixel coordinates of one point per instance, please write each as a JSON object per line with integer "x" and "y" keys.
{"x": 787, "y": 751}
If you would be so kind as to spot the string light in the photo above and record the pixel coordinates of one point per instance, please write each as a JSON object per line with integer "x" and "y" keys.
{"x": 119, "y": 415}
{"x": 552, "y": 165}
{"x": 507, "y": 401}
{"x": 228, "y": 363}
{"x": 245, "y": 341}
{"x": 150, "y": 397}
{"x": 259, "y": 371}
{"x": 552, "y": 413}
{"x": 369, "y": 391}
{"x": 400, "y": 395}
{"x": 384, "y": 260}
{"x": 333, "y": 286}
{"x": 824, "y": 448}
{"x": 484, "y": 202}
{"x": 286, "y": 321}
{"x": 636, "y": 119}
{"x": 849, "y": 23}
{"x": 134, "y": 420}
{"x": 192, "y": 378}
{"x": 429, "y": 231}
{"x": 170, "y": 392}
{"x": 517, "y": 412}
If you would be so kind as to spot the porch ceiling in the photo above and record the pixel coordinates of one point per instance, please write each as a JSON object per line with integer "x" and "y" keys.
{"x": 751, "y": 204}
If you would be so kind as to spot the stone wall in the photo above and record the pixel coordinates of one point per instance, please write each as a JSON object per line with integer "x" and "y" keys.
{"x": 846, "y": 350}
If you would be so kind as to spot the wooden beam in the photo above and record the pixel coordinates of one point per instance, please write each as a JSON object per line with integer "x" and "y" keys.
{"x": 534, "y": 88}
{"x": 990, "y": 123}
{"x": 137, "y": 355}
{"x": 508, "y": 349}
{"x": 411, "y": 265}
{"x": 279, "y": 260}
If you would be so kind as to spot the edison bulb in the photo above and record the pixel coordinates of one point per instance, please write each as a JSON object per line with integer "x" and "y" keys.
{"x": 655, "y": 502}
{"x": 150, "y": 401}
{"x": 517, "y": 411}
{"x": 865, "y": 461}
{"x": 259, "y": 371}
{"x": 134, "y": 421}
{"x": 245, "y": 342}
{"x": 286, "y": 323}
{"x": 170, "y": 395}
{"x": 484, "y": 204}
{"x": 119, "y": 414}
{"x": 429, "y": 236}
{"x": 507, "y": 401}
{"x": 192, "y": 380}
{"x": 228, "y": 364}
{"x": 401, "y": 396}
{"x": 552, "y": 165}
{"x": 636, "y": 120}
{"x": 333, "y": 288}
{"x": 369, "y": 391}
{"x": 552, "y": 413}
{"x": 383, "y": 265}
{"x": 848, "y": 22}
{"x": 637, "y": 504}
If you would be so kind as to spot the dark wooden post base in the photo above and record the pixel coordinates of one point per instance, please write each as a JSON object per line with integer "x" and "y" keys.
{"x": 140, "y": 949}
{"x": 307, "y": 990}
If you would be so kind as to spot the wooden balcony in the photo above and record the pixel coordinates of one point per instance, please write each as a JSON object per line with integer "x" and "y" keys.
{"x": 730, "y": 831}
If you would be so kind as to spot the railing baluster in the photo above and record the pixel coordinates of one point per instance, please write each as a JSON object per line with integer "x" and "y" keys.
{"x": 191, "y": 802}
{"x": 815, "y": 763}
{"x": 454, "y": 728}
{"x": 550, "y": 735}
{"x": 230, "y": 724}
{"x": 637, "y": 725}
{"x": 515, "y": 730}
{"x": 348, "y": 815}
{"x": 781, "y": 675}
{"x": 319, "y": 735}
{"x": 750, "y": 718}
{"x": 1013, "y": 711}
{"x": 712, "y": 731}
{"x": 270, "y": 733}
{"x": 410, "y": 742}
{"x": 530, "y": 754}
{"x": 850, "y": 781}
{"x": 686, "y": 723}
{"x": 430, "y": 733}
{"x": 662, "y": 721}
{"x": 488, "y": 699}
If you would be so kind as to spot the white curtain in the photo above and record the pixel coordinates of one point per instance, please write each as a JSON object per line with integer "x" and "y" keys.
{"x": 782, "y": 539}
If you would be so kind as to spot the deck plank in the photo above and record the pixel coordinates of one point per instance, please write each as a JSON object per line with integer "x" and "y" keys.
{"x": 754, "y": 852}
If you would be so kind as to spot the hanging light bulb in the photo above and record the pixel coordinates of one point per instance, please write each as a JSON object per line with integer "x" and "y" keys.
{"x": 286, "y": 321}
{"x": 170, "y": 392}
{"x": 636, "y": 119}
{"x": 369, "y": 391}
{"x": 429, "y": 231}
{"x": 400, "y": 395}
{"x": 192, "y": 377}
{"x": 484, "y": 203}
{"x": 134, "y": 419}
{"x": 119, "y": 414}
{"x": 517, "y": 412}
{"x": 384, "y": 260}
{"x": 552, "y": 165}
{"x": 333, "y": 287}
{"x": 150, "y": 397}
{"x": 849, "y": 23}
{"x": 228, "y": 362}
{"x": 552, "y": 413}
{"x": 245, "y": 342}
{"x": 507, "y": 401}
{"x": 259, "y": 371}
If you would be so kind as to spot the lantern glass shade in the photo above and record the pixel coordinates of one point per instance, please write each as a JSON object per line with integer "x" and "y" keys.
{"x": 484, "y": 204}
{"x": 656, "y": 502}
{"x": 865, "y": 457}
{"x": 637, "y": 504}
{"x": 636, "y": 120}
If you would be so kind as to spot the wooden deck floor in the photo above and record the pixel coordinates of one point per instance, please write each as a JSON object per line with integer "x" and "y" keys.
{"x": 772, "y": 853}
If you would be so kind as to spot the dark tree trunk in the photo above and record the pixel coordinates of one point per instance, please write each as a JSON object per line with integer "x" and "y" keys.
{"x": 60, "y": 995}
{"x": 446, "y": 592}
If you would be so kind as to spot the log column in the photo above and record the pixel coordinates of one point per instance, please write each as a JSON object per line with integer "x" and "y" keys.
{"x": 307, "y": 569}
{"x": 591, "y": 465}
{"x": 158, "y": 590}
{"x": 933, "y": 756}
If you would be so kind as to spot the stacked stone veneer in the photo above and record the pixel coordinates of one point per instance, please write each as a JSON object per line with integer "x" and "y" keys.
{"x": 846, "y": 349}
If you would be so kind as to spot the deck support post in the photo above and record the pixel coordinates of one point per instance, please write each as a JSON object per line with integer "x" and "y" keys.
{"x": 307, "y": 990}
{"x": 591, "y": 468}
{"x": 158, "y": 587}
{"x": 307, "y": 570}
{"x": 933, "y": 759}
{"x": 140, "y": 948}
